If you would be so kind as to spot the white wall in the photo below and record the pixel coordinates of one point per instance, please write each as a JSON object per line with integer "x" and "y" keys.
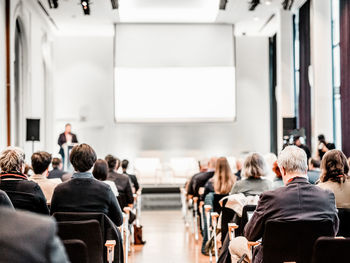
{"x": 35, "y": 26}
{"x": 3, "y": 129}
{"x": 83, "y": 87}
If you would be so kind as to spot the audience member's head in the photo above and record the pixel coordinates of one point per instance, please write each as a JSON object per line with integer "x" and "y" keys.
{"x": 223, "y": 178}
{"x": 125, "y": 165}
{"x": 82, "y": 157}
{"x": 334, "y": 167}
{"x": 68, "y": 128}
{"x": 212, "y": 163}
{"x": 314, "y": 164}
{"x": 276, "y": 170}
{"x": 254, "y": 166}
{"x": 239, "y": 164}
{"x": 297, "y": 140}
{"x": 100, "y": 170}
{"x": 322, "y": 138}
{"x": 41, "y": 162}
{"x": 112, "y": 161}
{"x": 27, "y": 169}
{"x": 12, "y": 160}
{"x": 203, "y": 164}
{"x": 292, "y": 162}
{"x": 56, "y": 163}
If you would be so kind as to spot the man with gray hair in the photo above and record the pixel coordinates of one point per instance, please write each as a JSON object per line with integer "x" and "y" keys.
{"x": 24, "y": 194}
{"x": 298, "y": 200}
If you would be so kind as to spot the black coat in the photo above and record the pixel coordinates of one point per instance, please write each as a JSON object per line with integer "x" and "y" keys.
{"x": 62, "y": 139}
{"x": 16, "y": 184}
{"x": 122, "y": 182}
{"x": 86, "y": 195}
{"x": 298, "y": 201}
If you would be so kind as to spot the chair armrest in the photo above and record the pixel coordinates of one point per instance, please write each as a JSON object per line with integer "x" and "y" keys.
{"x": 110, "y": 244}
{"x": 253, "y": 244}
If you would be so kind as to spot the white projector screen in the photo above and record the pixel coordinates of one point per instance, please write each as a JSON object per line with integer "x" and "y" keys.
{"x": 175, "y": 94}
{"x": 174, "y": 73}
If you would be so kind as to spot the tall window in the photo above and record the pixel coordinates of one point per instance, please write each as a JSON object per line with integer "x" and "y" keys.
{"x": 336, "y": 73}
{"x": 296, "y": 49}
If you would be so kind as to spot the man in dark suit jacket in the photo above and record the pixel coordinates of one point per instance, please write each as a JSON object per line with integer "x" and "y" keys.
{"x": 83, "y": 193}
{"x": 66, "y": 137}
{"x": 16, "y": 184}
{"x": 132, "y": 177}
{"x": 122, "y": 182}
{"x": 201, "y": 179}
{"x": 297, "y": 201}
{"x": 57, "y": 171}
{"x": 29, "y": 238}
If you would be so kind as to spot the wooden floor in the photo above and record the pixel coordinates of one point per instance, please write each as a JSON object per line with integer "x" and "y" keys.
{"x": 168, "y": 240}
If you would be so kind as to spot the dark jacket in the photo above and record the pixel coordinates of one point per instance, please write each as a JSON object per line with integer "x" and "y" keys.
{"x": 124, "y": 188}
{"x": 297, "y": 201}
{"x": 200, "y": 180}
{"x": 62, "y": 139}
{"x": 86, "y": 194}
{"x": 15, "y": 185}
{"x": 29, "y": 238}
{"x": 134, "y": 181}
{"x": 56, "y": 173}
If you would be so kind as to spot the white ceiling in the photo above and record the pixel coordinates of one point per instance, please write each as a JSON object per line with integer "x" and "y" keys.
{"x": 69, "y": 16}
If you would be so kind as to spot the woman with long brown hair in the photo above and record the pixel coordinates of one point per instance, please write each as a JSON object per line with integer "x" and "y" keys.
{"x": 223, "y": 179}
{"x": 334, "y": 177}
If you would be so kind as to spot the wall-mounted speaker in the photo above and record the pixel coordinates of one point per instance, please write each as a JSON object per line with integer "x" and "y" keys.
{"x": 33, "y": 130}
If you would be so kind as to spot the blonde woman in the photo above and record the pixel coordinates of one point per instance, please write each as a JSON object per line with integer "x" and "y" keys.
{"x": 223, "y": 179}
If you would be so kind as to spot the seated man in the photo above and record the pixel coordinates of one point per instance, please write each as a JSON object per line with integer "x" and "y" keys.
{"x": 122, "y": 182}
{"x": 200, "y": 180}
{"x": 297, "y": 200}
{"x": 203, "y": 167}
{"x": 26, "y": 237}
{"x": 133, "y": 179}
{"x": 314, "y": 172}
{"x": 40, "y": 163}
{"x": 57, "y": 171}
{"x": 15, "y": 183}
{"x": 83, "y": 193}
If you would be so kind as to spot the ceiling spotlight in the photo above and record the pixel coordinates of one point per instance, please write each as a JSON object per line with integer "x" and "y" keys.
{"x": 115, "y": 4}
{"x": 256, "y": 18}
{"x": 86, "y": 7}
{"x": 223, "y": 4}
{"x": 53, "y": 3}
{"x": 253, "y": 4}
{"x": 268, "y": 2}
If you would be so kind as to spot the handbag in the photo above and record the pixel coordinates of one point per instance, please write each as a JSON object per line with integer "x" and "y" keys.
{"x": 138, "y": 235}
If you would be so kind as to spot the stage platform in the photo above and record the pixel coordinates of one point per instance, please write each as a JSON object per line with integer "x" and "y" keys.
{"x": 161, "y": 196}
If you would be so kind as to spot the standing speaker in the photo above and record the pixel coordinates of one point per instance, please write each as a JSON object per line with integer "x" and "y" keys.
{"x": 33, "y": 130}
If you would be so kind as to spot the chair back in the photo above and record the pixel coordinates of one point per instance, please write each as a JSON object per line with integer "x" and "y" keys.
{"x": 344, "y": 222}
{"x": 247, "y": 209}
{"x": 28, "y": 202}
{"x": 89, "y": 232}
{"x": 76, "y": 251}
{"x": 329, "y": 249}
{"x": 108, "y": 229}
{"x": 287, "y": 241}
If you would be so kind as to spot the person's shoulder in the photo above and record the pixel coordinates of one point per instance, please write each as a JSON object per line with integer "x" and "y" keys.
{"x": 36, "y": 222}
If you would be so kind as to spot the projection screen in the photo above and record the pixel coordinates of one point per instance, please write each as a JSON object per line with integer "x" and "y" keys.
{"x": 174, "y": 73}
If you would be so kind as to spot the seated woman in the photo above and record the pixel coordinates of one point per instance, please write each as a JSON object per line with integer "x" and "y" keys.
{"x": 335, "y": 169}
{"x": 100, "y": 172}
{"x": 216, "y": 188}
{"x": 24, "y": 194}
{"x": 254, "y": 168}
